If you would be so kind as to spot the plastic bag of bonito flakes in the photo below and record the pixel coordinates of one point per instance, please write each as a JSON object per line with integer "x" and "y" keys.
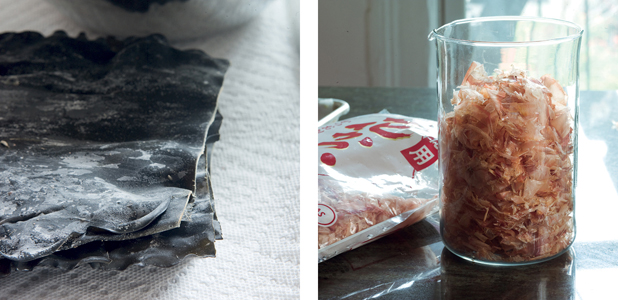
{"x": 377, "y": 173}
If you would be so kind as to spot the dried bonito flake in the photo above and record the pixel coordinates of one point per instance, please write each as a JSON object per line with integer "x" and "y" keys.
{"x": 506, "y": 155}
{"x": 359, "y": 211}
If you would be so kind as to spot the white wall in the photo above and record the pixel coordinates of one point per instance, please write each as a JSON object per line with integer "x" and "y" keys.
{"x": 377, "y": 42}
{"x": 342, "y": 48}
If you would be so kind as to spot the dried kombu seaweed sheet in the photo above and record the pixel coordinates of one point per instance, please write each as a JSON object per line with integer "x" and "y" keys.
{"x": 103, "y": 140}
{"x": 193, "y": 237}
{"x": 140, "y": 5}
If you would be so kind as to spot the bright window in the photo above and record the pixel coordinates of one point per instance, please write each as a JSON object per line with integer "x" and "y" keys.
{"x": 598, "y": 69}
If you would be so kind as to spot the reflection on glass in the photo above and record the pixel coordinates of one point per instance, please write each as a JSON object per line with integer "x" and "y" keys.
{"x": 552, "y": 279}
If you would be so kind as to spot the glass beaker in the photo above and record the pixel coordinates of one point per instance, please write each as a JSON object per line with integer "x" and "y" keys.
{"x": 508, "y": 100}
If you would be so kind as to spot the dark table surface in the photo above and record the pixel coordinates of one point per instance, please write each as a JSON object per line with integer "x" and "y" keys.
{"x": 413, "y": 263}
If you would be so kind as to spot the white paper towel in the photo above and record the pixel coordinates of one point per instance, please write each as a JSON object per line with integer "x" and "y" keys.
{"x": 255, "y": 174}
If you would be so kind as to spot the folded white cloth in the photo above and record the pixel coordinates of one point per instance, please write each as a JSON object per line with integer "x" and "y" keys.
{"x": 255, "y": 174}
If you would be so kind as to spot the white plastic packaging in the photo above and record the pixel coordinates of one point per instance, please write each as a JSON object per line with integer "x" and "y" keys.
{"x": 377, "y": 173}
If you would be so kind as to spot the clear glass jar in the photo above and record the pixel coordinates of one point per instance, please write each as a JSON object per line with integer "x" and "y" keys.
{"x": 508, "y": 107}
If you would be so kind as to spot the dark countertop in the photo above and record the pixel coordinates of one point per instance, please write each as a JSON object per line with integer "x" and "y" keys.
{"x": 413, "y": 263}
{"x": 417, "y": 102}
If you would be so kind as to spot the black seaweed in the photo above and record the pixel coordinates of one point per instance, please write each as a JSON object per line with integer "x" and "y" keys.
{"x": 139, "y": 5}
{"x": 105, "y": 141}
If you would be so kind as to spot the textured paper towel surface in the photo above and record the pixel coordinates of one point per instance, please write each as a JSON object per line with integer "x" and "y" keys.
{"x": 255, "y": 174}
